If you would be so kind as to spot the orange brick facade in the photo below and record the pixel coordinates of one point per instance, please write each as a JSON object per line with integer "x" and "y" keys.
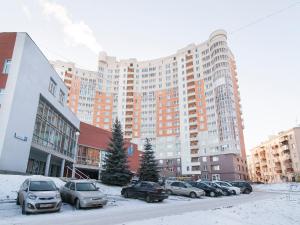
{"x": 7, "y": 43}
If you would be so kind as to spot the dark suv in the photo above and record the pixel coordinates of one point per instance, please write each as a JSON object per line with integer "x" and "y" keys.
{"x": 148, "y": 191}
{"x": 209, "y": 190}
{"x": 245, "y": 187}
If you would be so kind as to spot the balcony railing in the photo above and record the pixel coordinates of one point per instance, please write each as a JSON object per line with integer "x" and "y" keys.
{"x": 88, "y": 161}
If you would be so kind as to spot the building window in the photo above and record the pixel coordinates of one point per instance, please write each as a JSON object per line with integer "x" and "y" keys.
{"x": 53, "y": 131}
{"x": 216, "y": 167}
{"x": 216, "y": 177}
{"x": 6, "y": 66}
{"x": 215, "y": 158}
{"x": 52, "y": 86}
{"x": 61, "y": 97}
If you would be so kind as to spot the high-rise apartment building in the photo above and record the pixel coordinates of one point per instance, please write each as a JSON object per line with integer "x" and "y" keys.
{"x": 187, "y": 103}
{"x": 277, "y": 159}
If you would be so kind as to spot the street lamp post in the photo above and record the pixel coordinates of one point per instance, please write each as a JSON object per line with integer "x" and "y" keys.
{"x": 75, "y": 153}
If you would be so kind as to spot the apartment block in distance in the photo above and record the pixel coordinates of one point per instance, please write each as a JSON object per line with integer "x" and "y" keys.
{"x": 277, "y": 159}
{"x": 187, "y": 103}
{"x": 37, "y": 128}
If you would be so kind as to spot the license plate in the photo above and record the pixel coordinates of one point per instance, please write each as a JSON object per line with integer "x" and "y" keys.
{"x": 45, "y": 205}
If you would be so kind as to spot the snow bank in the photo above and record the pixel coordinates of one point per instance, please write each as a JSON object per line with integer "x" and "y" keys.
{"x": 279, "y": 187}
{"x": 10, "y": 184}
{"x": 279, "y": 211}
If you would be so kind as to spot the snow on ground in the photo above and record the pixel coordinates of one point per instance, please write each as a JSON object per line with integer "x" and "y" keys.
{"x": 10, "y": 184}
{"x": 279, "y": 187}
{"x": 274, "y": 211}
{"x": 269, "y": 203}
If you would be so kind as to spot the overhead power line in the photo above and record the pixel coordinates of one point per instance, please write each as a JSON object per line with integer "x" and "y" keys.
{"x": 261, "y": 19}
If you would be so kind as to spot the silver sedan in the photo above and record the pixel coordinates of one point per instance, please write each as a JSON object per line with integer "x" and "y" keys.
{"x": 83, "y": 194}
{"x": 183, "y": 188}
{"x": 38, "y": 195}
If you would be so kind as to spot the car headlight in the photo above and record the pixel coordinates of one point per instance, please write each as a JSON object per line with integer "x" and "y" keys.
{"x": 32, "y": 196}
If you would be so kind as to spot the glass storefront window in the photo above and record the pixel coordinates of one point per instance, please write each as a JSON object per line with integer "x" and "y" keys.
{"x": 53, "y": 131}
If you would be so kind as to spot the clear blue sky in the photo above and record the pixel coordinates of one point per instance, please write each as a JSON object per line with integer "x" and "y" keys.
{"x": 267, "y": 53}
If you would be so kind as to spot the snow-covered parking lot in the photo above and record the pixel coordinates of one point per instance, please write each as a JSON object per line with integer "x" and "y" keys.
{"x": 268, "y": 204}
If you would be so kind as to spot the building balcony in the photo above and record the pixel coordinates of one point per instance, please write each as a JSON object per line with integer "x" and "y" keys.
{"x": 194, "y": 138}
{"x": 195, "y": 164}
{"x": 189, "y": 57}
{"x": 193, "y": 123}
{"x": 289, "y": 170}
{"x": 194, "y": 148}
{"x": 278, "y": 170}
{"x": 193, "y": 116}
{"x": 191, "y": 94}
{"x": 130, "y": 76}
{"x": 191, "y": 84}
{"x": 194, "y": 144}
{"x": 128, "y": 114}
{"x": 89, "y": 161}
{"x": 286, "y": 157}
{"x": 285, "y": 148}
{"x": 275, "y": 152}
{"x": 194, "y": 155}
{"x": 193, "y": 130}
{"x": 288, "y": 165}
{"x": 192, "y": 111}
{"x": 284, "y": 140}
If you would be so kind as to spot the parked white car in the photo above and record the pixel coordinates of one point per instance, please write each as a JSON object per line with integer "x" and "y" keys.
{"x": 235, "y": 190}
{"x": 38, "y": 195}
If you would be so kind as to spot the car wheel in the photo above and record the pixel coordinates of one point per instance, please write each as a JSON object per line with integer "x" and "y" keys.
{"x": 23, "y": 209}
{"x": 233, "y": 192}
{"x": 148, "y": 199}
{"x": 160, "y": 200}
{"x": 212, "y": 194}
{"x": 247, "y": 191}
{"x": 169, "y": 192}
{"x": 193, "y": 195}
{"x": 18, "y": 201}
{"x": 77, "y": 204}
{"x": 126, "y": 194}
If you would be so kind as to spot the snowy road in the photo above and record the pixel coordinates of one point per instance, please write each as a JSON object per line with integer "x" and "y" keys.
{"x": 132, "y": 210}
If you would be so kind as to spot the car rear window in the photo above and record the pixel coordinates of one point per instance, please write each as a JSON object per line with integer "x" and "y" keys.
{"x": 42, "y": 186}
{"x": 85, "y": 187}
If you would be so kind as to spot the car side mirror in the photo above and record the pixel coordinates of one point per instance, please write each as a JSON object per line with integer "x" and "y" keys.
{"x": 97, "y": 188}
{"x": 57, "y": 189}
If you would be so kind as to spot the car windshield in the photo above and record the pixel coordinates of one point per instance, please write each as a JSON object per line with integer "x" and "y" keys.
{"x": 215, "y": 185}
{"x": 42, "y": 186}
{"x": 86, "y": 187}
{"x": 225, "y": 184}
{"x": 155, "y": 185}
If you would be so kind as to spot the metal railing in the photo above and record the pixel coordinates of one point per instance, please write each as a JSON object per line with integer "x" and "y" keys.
{"x": 77, "y": 173}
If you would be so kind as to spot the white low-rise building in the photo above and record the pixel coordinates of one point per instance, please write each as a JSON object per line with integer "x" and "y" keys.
{"x": 38, "y": 132}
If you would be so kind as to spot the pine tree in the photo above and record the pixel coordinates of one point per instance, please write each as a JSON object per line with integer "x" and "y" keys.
{"x": 116, "y": 170}
{"x": 148, "y": 169}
